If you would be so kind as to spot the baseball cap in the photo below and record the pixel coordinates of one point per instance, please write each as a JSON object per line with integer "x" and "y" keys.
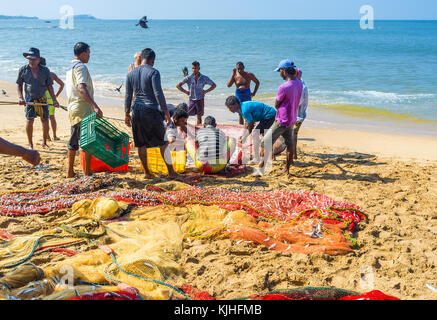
{"x": 285, "y": 64}
{"x": 33, "y": 53}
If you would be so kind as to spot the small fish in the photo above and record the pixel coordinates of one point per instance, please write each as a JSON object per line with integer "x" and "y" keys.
{"x": 238, "y": 242}
{"x": 148, "y": 265}
{"x": 307, "y": 245}
{"x": 268, "y": 239}
{"x": 288, "y": 248}
{"x": 272, "y": 246}
{"x": 139, "y": 231}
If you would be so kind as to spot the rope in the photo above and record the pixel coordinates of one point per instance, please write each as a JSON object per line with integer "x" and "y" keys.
{"x": 6, "y": 285}
{"x": 140, "y": 277}
{"x": 83, "y": 234}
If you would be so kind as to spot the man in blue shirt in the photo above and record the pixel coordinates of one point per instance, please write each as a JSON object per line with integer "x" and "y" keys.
{"x": 196, "y": 83}
{"x": 252, "y": 112}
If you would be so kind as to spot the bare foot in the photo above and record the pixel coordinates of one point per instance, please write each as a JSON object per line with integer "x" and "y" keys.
{"x": 148, "y": 176}
{"x": 285, "y": 171}
{"x": 57, "y": 139}
{"x": 174, "y": 176}
{"x": 30, "y": 147}
{"x": 49, "y": 139}
{"x": 45, "y": 146}
{"x": 71, "y": 175}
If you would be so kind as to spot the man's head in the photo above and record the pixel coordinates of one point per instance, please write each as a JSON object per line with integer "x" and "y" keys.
{"x": 182, "y": 106}
{"x": 148, "y": 57}
{"x": 42, "y": 62}
{"x": 195, "y": 67}
{"x": 288, "y": 73}
{"x": 180, "y": 117}
{"x": 33, "y": 56}
{"x": 240, "y": 67}
{"x": 137, "y": 58}
{"x": 233, "y": 104}
{"x": 82, "y": 52}
{"x": 209, "y": 121}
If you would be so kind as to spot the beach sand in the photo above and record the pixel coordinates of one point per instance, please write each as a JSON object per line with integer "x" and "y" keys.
{"x": 392, "y": 177}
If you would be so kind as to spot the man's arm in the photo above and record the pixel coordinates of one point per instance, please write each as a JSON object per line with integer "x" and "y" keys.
{"x": 248, "y": 130}
{"x": 59, "y": 82}
{"x": 159, "y": 95}
{"x": 85, "y": 95}
{"x": 179, "y": 87}
{"x": 213, "y": 86}
{"x": 232, "y": 80}
{"x": 257, "y": 83}
{"x": 20, "y": 94}
{"x": 11, "y": 149}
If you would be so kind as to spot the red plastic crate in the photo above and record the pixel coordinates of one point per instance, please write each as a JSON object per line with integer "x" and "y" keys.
{"x": 99, "y": 166}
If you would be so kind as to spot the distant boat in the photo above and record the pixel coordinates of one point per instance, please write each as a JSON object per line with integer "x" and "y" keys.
{"x": 143, "y": 22}
{"x": 48, "y": 22}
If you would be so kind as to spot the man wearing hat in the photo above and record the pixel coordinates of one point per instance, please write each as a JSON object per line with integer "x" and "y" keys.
{"x": 37, "y": 80}
{"x": 287, "y": 104}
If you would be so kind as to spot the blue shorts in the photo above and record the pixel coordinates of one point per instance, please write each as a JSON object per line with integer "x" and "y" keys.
{"x": 243, "y": 95}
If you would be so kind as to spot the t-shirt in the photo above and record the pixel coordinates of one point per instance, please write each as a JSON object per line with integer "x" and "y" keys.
{"x": 212, "y": 142}
{"x": 289, "y": 95}
{"x": 303, "y": 105}
{"x": 253, "y": 111}
{"x": 34, "y": 88}
{"x": 196, "y": 87}
{"x": 78, "y": 108}
{"x": 144, "y": 82}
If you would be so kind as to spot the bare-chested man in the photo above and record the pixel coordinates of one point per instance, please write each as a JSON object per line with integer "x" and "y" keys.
{"x": 243, "y": 80}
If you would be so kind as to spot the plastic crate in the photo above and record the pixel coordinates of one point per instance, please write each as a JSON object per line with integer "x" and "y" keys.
{"x": 100, "y": 166}
{"x": 104, "y": 141}
{"x": 156, "y": 164}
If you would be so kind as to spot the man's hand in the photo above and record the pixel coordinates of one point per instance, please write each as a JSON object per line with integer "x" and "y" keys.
{"x": 55, "y": 103}
{"x": 98, "y": 111}
{"x": 167, "y": 118}
{"x": 21, "y": 102}
{"x": 234, "y": 71}
{"x": 32, "y": 157}
{"x": 128, "y": 120}
{"x": 252, "y": 94}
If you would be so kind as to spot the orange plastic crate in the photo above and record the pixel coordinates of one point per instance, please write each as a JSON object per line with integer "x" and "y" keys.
{"x": 156, "y": 164}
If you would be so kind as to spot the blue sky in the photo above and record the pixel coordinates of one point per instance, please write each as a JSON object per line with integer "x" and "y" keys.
{"x": 227, "y": 9}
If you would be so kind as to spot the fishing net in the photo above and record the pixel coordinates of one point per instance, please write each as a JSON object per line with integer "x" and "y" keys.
{"x": 147, "y": 242}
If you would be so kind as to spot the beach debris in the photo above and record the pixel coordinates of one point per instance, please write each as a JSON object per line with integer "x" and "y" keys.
{"x": 4, "y": 93}
{"x": 430, "y": 287}
{"x": 143, "y": 22}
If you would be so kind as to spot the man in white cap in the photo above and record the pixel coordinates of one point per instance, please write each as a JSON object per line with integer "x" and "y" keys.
{"x": 37, "y": 80}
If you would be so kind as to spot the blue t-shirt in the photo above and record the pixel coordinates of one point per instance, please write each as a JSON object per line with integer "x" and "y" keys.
{"x": 253, "y": 111}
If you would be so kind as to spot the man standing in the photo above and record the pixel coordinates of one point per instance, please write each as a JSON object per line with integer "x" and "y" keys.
{"x": 80, "y": 94}
{"x": 147, "y": 121}
{"x": 287, "y": 103}
{"x": 50, "y": 100}
{"x": 301, "y": 113}
{"x": 242, "y": 80}
{"x": 196, "y": 83}
{"x": 37, "y": 81}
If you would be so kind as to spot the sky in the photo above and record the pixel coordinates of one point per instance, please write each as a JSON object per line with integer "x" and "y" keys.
{"x": 227, "y": 9}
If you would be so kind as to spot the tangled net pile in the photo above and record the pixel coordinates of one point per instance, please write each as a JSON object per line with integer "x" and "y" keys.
{"x": 146, "y": 245}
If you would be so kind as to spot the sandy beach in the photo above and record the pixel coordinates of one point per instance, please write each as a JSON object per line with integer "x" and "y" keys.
{"x": 392, "y": 177}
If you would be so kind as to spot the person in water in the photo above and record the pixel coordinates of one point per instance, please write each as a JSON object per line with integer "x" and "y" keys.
{"x": 61, "y": 84}
{"x": 243, "y": 80}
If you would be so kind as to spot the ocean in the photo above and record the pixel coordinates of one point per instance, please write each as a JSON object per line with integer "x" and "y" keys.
{"x": 387, "y": 72}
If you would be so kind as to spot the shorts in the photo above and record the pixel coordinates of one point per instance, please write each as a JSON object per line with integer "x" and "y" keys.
{"x": 73, "y": 143}
{"x": 196, "y": 107}
{"x": 148, "y": 127}
{"x": 33, "y": 112}
{"x": 243, "y": 95}
{"x": 276, "y": 131}
{"x": 297, "y": 126}
{"x": 264, "y": 125}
